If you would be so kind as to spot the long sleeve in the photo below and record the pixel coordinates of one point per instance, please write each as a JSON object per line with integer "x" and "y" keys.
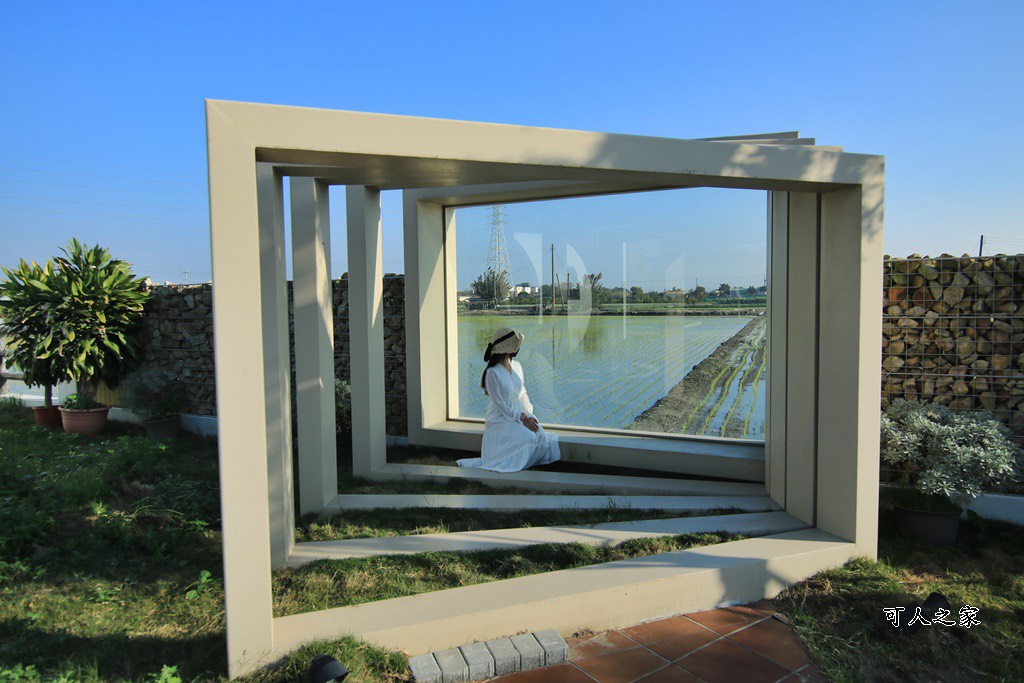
{"x": 526, "y": 405}
{"x": 501, "y": 395}
{"x": 524, "y": 398}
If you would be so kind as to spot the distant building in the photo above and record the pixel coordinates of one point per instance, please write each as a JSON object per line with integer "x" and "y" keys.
{"x": 524, "y": 288}
{"x": 674, "y": 294}
{"x": 477, "y": 303}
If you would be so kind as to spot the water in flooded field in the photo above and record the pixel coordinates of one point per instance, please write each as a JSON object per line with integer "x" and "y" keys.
{"x": 604, "y": 371}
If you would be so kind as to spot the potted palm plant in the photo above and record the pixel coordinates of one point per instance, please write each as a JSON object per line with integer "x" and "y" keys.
{"x": 158, "y": 400}
{"x": 95, "y": 306}
{"x": 941, "y": 461}
{"x": 25, "y": 320}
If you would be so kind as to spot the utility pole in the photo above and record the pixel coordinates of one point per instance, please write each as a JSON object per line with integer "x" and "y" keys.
{"x": 186, "y": 274}
{"x": 981, "y": 246}
{"x": 552, "y": 279}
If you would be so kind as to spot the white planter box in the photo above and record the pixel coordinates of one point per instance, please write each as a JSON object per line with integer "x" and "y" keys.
{"x": 1002, "y": 506}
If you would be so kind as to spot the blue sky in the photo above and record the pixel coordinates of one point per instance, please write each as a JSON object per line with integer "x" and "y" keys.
{"x": 653, "y": 240}
{"x": 102, "y": 127}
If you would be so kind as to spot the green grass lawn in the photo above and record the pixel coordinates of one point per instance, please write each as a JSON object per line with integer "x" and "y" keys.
{"x": 110, "y": 565}
{"x": 110, "y": 570}
{"x": 336, "y": 583}
{"x": 388, "y": 522}
{"x": 839, "y": 613}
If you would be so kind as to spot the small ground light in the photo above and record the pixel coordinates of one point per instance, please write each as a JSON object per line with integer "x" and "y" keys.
{"x": 324, "y": 669}
{"x": 929, "y": 608}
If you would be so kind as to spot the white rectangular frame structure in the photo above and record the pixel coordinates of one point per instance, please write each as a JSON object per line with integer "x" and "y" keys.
{"x": 429, "y": 215}
{"x": 821, "y": 449}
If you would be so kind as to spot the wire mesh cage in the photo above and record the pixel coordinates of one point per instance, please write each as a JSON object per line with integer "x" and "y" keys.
{"x": 177, "y": 336}
{"x": 953, "y": 334}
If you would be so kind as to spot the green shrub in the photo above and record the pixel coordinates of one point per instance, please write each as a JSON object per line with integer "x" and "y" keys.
{"x": 19, "y": 674}
{"x": 153, "y": 395}
{"x": 11, "y": 404}
{"x": 342, "y": 406}
{"x": 80, "y": 402}
{"x": 947, "y": 454}
{"x": 26, "y": 322}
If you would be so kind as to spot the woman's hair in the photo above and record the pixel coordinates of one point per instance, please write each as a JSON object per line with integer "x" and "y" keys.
{"x": 496, "y": 359}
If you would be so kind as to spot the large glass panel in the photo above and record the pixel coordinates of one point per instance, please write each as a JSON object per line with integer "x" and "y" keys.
{"x": 640, "y": 312}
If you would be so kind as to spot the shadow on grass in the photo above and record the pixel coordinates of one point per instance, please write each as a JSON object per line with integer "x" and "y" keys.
{"x": 110, "y": 656}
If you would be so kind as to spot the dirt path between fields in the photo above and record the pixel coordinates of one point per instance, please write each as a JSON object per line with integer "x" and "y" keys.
{"x": 670, "y": 414}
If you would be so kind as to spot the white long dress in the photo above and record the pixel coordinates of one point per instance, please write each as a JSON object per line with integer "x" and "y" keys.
{"x": 508, "y": 446}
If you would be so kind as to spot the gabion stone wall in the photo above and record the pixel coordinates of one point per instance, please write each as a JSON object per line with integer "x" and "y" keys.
{"x": 953, "y": 333}
{"x": 394, "y": 345}
{"x": 177, "y": 336}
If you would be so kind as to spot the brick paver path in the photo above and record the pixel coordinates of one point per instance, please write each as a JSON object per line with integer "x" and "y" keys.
{"x": 747, "y": 643}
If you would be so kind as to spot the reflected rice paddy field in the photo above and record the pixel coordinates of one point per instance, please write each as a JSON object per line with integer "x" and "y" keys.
{"x": 605, "y": 371}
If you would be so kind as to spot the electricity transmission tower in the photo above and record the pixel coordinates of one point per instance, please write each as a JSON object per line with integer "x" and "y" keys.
{"x": 497, "y": 252}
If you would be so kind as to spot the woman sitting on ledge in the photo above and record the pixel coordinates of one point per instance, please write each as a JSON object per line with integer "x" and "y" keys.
{"x": 513, "y": 438}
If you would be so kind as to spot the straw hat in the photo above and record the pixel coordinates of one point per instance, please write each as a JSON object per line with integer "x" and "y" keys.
{"x": 505, "y": 340}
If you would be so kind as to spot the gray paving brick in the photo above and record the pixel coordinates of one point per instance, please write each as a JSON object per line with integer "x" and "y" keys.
{"x": 453, "y": 666}
{"x": 506, "y": 656}
{"x": 531, "y": 654}
{"x": 479, "y": 659}
{"x": 556, "y": 650}
{"x": 425, "y": 669}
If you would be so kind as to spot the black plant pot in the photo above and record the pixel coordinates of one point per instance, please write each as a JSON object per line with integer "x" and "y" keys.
{"x": 938, "y": 528}
{"x": 167, "y": 429}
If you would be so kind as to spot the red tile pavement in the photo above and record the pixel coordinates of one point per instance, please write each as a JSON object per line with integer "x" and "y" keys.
{"x": 624, "y": 665}
{"x": 774, "y": 640}
{"x": 723, "y": 661}
{"x": 731, "y": 644}
{"x": 727, "y": 619}
{"x": 601, "y": 644}
{"x": 558, "y": 672}
{"x": 670, "y": 674}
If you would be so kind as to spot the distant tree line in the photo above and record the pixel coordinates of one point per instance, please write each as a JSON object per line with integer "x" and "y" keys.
{"x": 493, "y": 286}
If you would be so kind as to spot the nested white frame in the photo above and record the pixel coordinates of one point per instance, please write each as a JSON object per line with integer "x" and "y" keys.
{"x": 824, "y": 314}
{"x": 450, "y": 238}
{"x": 734, "y": 458}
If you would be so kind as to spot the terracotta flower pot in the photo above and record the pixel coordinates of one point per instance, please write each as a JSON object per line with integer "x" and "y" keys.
{"x": 167, "y": 429}
{"x": 86, "y": 422}
{"x": 46, "y": 416}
